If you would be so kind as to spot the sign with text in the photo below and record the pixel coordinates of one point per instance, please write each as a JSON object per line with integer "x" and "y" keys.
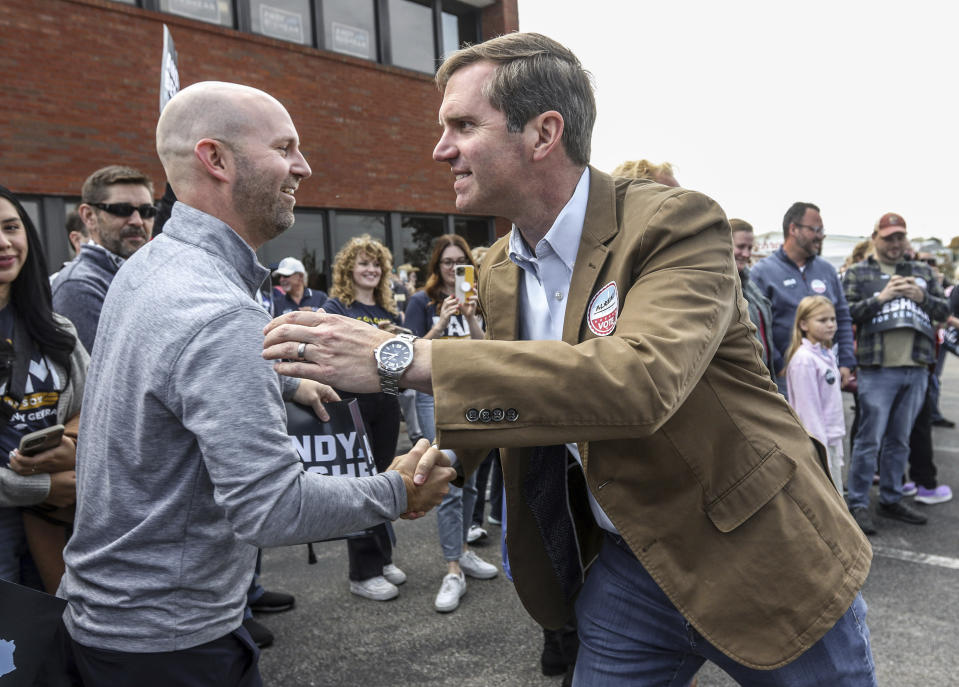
{"x": 338, "y": 448}
{"x": 282, "y": 24}
{"x": 169, "y": 74}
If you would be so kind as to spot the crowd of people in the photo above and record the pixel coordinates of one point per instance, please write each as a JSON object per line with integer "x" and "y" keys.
{"x": 647, "y": 404}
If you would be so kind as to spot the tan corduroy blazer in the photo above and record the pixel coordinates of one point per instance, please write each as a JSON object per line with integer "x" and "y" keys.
{"x": 700, "y": 464}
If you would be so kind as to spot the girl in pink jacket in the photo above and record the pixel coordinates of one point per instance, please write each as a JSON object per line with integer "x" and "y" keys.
{"x": 812, "y": 377}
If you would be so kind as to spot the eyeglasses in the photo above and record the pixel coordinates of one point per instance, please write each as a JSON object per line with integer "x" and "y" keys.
{"x": 126, "y": 209}
{"x": 818, "y": 231}
{"x": 450, "y": 262}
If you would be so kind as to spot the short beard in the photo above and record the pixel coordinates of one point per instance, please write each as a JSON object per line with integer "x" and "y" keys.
{"x": 257, "y": 204}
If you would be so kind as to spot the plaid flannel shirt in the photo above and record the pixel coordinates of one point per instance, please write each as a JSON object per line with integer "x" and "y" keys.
{"x": 863, "y": 306}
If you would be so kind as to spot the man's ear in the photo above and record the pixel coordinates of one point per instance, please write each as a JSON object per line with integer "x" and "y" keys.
{"x": 88, "y": 215}
{"x": 215, "y": 158}
{"x": 548, "y": 128}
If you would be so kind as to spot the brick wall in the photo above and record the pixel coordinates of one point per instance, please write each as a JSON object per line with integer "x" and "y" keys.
{"x": 81, "y": 82}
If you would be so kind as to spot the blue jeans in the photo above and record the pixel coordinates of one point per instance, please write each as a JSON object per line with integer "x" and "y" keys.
{"x": 631, "y": 634}
{"x": 455, "y": 513}
{"x": 889, "y": 400}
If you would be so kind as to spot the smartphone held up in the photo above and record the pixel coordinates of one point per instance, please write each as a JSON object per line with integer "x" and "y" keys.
{"x": 465, "y": 282}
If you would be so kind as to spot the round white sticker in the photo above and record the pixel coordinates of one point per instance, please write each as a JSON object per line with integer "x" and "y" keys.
{"x": 603, "y": 310}
{"x": 921, "y": 283}
{"x": 818, "y": 285}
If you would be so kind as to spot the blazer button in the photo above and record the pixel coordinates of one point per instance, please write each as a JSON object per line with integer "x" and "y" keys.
{"x": 472, "y": 415}
{"x": 512, "y": 415}
{"x": 485, "y": 416}
{"x": 498, "y": 414}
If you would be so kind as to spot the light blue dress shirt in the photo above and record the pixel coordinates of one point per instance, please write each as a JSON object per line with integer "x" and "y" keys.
{"x": 544, "y": 288}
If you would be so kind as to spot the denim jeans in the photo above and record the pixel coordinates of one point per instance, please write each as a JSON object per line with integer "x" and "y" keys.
{"x": 631, "y": 634}
{"x": 455, "y": 513}
{"x": 16, "y": 564}
{"x": 889, "y": 400}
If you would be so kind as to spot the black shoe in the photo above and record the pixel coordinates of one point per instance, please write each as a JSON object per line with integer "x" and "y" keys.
{"x": 943, "y": 422}
{"x": 900, "y": 511}
{"x": 261, "y": 636}
{"x": 864, "y": 520}
{"x": 273, "y": 602}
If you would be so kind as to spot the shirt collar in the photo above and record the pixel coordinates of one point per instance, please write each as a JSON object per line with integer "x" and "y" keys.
{"x": 564, "y": 236}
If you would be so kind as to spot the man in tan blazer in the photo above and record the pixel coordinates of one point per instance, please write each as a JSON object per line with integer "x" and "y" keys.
{"x": 621, "y": 363}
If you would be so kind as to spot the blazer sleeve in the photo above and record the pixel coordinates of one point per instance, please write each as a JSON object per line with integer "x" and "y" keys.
{"x": 674, "y": 263}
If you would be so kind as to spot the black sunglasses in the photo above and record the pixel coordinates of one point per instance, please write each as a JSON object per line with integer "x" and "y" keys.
{"x": 126, "y": 209}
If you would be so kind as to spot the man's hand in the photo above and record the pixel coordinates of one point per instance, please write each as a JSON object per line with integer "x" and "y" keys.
{"x": 339, "y": 350}
{"x": 844, "y": 374}
{"x": 426, "y": 473}
{"x": 57, "y": 459}
{"x": 63, "y": 489}
{"x": 315, "y": 394}
{"x": 902, "y": 287}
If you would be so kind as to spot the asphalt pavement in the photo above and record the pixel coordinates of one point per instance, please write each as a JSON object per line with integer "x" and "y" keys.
{"x": 333, "y": 638}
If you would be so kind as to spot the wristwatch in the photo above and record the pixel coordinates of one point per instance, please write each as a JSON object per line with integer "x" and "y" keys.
{"x": 393, "y": 357}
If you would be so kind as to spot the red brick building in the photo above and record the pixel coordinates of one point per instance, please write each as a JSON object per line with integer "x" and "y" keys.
{"x": 81, "y": 90}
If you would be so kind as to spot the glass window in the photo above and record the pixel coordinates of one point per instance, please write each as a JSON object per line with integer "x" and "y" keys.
{"x": 303, "y": 241}
{"x": 33, "y": 210}
{"x": 287, "y": 20}
{"x": 416, "y": 240}
{"x": 346, "y": 225}
{"x": 477, "y": 231}
{"x": 211, "y": 11}
{"x": 127, "y": 2}
{"x": 411, "y": 35}
{"x": 451, "y": 33}
{"x": 349, "y": 27}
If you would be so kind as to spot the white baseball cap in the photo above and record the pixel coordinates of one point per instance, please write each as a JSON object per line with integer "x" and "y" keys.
{"x": 289, "y": 266}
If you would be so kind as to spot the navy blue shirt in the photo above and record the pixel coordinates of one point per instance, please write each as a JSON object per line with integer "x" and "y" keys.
{"x": 41, "y": 394}
{"x": 371, "y": 314}
{"x": 282, "y": 303}
{"x": 421, "y": 317}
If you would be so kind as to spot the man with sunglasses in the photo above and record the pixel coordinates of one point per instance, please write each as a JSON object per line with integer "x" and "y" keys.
{"x": 796, "y": 271}
{"x": 117, "y": 209}
{"x": 894, "y": 302}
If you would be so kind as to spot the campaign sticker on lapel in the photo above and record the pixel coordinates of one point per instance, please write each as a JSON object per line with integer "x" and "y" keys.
{"x": 603, "y": 310}
{"x": 818, "y": 285}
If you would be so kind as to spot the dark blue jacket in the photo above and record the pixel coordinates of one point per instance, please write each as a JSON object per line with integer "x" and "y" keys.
{"x": 782, "y": 282}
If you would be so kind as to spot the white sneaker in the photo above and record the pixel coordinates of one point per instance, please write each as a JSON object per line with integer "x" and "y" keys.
{"x": 376, "y": 588}
{"x": 452, "y": 589}
{"x": 394, "y": 574}
{"x": 475, "y": 534}
{"x": 474, "y": 566}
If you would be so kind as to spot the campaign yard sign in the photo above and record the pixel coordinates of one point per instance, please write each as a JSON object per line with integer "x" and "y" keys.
{"x": 338, "y": 448}
{"x": 28, "y": 628}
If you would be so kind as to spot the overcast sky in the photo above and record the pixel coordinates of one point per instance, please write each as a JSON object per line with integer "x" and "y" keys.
{"x": 848, "y": 105}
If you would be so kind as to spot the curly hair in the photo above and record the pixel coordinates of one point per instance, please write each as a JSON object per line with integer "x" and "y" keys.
{"x": 434, "y": 282}
{"x": 343, "y": 272}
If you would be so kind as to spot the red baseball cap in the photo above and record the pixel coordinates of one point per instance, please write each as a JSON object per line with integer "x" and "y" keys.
{"x": 890, "y": 223}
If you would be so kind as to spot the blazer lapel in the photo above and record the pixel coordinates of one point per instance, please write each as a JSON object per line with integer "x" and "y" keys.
{"x": 500, "y": 288}
{"x": 599, "y": 227}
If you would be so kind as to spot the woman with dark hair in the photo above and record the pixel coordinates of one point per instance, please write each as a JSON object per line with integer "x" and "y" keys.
{"x": 436, "y": 313}
{"x": 361, "y": 290}
{"x": 42, "y": 373}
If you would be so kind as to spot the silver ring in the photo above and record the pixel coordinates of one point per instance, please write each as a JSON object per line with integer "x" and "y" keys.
{"x": 301, "y": 350}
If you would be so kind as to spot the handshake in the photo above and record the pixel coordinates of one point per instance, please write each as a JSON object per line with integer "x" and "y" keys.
{"x": 427, "y": 475}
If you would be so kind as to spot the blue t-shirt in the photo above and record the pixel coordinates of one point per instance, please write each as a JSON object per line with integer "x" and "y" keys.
{"x": 371, "y": 314}
{"x": 282, "y": 303}
{"x": 421, "y": 317}
{"x": 41, "y": 395}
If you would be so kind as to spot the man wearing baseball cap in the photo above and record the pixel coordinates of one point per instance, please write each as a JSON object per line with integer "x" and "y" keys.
{"x": 293, "y": 293}
{"x": 893, "y": 302}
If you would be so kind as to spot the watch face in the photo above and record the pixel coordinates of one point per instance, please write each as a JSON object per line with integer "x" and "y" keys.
{"x": 395, "y": 355}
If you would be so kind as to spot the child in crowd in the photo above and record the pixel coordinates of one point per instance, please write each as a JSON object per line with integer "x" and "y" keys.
{"x": 812, "y": 376}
